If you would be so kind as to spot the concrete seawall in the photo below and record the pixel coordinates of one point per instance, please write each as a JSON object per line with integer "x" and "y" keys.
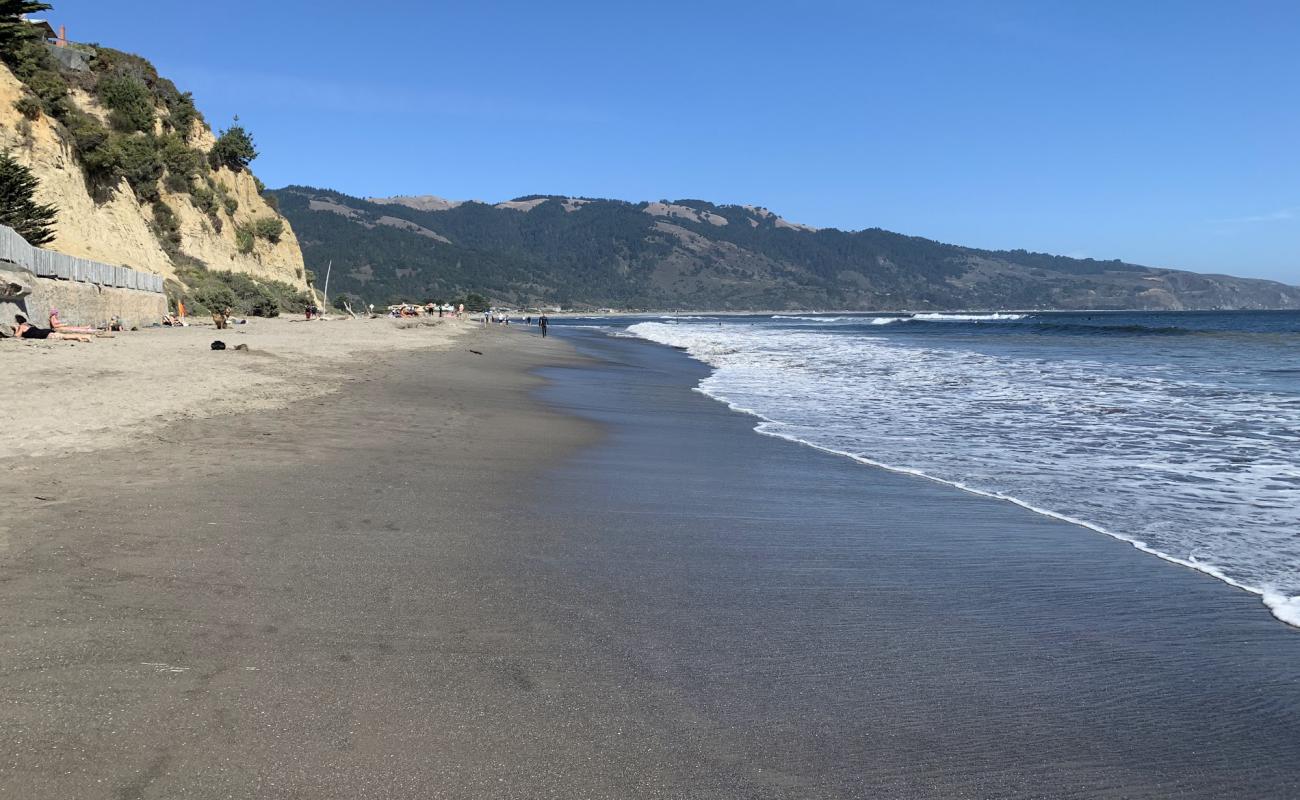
{"x": 33, "y": 281}
{"x": 79, "y": 303}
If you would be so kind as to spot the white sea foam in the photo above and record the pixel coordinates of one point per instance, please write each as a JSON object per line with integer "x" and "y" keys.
{"x": 859, "y": 320}
{"x": 966, "y": 317}
{"x": 1203, "y": 475}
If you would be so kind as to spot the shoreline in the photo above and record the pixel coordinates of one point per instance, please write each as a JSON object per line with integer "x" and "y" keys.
{"x": 874, "y": 570}
{"x": 518, "y": 567}
{"x": 1285, "y": 609}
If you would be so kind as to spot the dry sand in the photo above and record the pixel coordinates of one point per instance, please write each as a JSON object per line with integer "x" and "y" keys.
{"x": 64, "y": 397}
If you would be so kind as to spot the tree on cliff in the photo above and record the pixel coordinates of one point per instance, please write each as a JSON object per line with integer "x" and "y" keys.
{"x": 234, "y": 148}
{"x": 18, "y": 208}
{"x": 12, "y": 27}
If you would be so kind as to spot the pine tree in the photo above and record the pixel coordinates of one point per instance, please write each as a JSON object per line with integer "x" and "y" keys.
{"x": 12, "y": 27}
{"x": 18, "y": 208}
{"x": 234, "y": 148}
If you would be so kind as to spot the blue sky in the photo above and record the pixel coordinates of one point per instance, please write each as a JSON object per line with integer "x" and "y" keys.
{"x": 1165, "y": 133}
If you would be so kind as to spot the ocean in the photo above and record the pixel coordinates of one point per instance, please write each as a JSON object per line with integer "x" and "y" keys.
{"x": 1178, "y": 432}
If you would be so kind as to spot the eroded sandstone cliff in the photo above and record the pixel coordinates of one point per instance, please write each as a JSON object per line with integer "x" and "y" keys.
{"x": 114, "y": 225}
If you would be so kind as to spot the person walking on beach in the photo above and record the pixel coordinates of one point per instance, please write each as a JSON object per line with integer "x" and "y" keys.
{"x": 542, "y": 322}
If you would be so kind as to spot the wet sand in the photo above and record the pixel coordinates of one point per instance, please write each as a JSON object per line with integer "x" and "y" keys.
{"x": 434, "y": 584}
{"x": 845, "y": 631}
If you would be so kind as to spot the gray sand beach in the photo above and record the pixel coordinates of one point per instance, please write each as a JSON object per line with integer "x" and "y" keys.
{"x": 460, "y": 577}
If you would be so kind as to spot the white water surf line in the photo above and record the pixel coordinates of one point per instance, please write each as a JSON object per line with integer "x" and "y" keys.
{"x": 1285, "y": 608}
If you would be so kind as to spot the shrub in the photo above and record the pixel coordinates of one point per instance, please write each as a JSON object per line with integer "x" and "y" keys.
{"x": 234, "y": 148}
{"x": 287, "y": 297}
{"x": 26, "y": 54}
{"x": 227, "y": 202}
{"x": 240, "y": 292}
{"x": 268, "y": 228}
{"x": 86, "y": 131}
{"x": 129, "y": 101}
{"x": 176, "y": 184}
{"x": 167, "y": 225}
{"x": 50, "y": 88}
{"x": 244, "y": 239}
{"x": 181, "y": 114}
{"x": 205, "y": 200}
{"x": 29, "y": 107}
{"x": 214, "y": 296}
{"x": 178, "y": 157}
{"x": 140, "y": 165}
{"x": 261, "y": 303}
{"x": 18, "y": 207}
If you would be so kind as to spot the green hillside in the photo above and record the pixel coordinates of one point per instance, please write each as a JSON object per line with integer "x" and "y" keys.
{"x": 693, "y": 254}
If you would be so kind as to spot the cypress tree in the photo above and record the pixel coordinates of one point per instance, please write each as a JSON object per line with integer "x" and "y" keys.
{"x": 18, "y": 208}
{"x": 12, "y": 27}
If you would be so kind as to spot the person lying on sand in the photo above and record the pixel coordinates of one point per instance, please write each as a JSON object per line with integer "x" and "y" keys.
{"x": 59, "y": 327}
{"x": 26, "y": 330}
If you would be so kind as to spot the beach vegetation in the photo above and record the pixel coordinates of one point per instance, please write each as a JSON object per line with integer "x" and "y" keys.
{"x": 29, "y": 106}
{"x": 182, "y": 114}
{"x": 213, "y": 296}
{"x": 205, "y": 200}
{"x": 18, "y": 207}
{"x": 268, "y": 228}
{"x": 233, "y": 149}
{"x": 210, "y": 290}
{"x": 167, "y": 226}
{"x": 228, "y": 201}
{"x": 245, "y": 240}
{"x": 183, "y": 163}
{"x": 138, "y": 162}
{"x": 129, "y": 102}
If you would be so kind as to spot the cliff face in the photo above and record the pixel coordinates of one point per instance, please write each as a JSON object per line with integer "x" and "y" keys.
{"x": 117, "y": 227}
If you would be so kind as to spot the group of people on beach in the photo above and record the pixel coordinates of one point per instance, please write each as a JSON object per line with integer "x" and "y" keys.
{"x": 504, "y": 319}
{"x": 24, "y": 329}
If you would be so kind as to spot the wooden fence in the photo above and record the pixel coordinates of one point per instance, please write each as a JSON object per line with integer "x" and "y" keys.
{"x": 49, "y": 264}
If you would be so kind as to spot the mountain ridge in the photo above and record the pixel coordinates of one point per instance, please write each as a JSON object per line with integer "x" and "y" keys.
{"x": 687, "y": 253}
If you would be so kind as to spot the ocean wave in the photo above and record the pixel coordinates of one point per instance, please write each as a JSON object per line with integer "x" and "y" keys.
{"x": 810, "y": 319}
{"x": 865, "y": 320}
{"x": 1196, "y": 473}
{"x": 1283, "y": 607}
{"x": 939, "y": 317}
